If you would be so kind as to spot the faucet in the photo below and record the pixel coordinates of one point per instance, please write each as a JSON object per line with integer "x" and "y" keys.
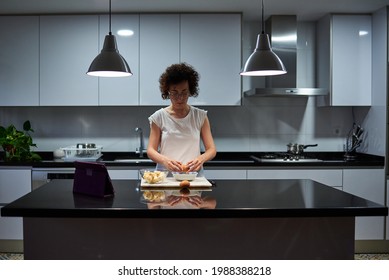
{"x": 140, "y": 149}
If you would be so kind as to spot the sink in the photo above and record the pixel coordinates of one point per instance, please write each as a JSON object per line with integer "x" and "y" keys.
{"x": 133, "y": 160}
{"x": 230, "y": 161}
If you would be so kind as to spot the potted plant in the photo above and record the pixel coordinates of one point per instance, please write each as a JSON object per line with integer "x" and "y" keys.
{"x": 17, "y": 144}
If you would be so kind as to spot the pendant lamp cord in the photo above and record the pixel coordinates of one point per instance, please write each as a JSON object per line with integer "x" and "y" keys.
{"x": 110, "y": 33}
{"x": 263, "y": 22}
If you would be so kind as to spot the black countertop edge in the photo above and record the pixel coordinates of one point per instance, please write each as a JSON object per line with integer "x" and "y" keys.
{"x": 193, "y": 213}
{"x": 222, "y": 159}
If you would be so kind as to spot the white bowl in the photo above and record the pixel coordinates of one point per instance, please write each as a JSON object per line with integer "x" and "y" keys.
{"x": 180, "y": 176}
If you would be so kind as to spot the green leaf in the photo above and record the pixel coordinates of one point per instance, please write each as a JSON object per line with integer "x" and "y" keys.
{"x": 27, "y": 126}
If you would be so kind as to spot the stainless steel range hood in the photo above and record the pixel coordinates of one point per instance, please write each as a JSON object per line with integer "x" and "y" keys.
{"x": 282, "y": 30}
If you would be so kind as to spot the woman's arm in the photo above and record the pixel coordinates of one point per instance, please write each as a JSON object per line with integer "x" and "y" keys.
{"x": 209, "y": 145}
{"x": 152, "y": 150}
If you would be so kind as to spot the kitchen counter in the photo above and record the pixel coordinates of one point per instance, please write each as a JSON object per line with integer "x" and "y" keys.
{"x": 246, "y": 219}
{"x": 222, "y": 159}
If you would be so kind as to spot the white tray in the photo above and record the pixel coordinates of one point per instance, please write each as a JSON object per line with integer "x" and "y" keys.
{"x": 171, "y": 182}
{"x": 82, "y": 158}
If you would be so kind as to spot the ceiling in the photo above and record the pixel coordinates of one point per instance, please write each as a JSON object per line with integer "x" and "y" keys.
{"x": 251, "y": 9}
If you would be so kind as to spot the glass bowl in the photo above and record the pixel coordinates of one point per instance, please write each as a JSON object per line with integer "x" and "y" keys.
{"x": 180, "y": 176}
{"x": 152, "y": 176}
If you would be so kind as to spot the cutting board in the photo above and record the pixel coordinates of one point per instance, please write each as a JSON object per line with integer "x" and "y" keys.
{"x": 171, "y": 182}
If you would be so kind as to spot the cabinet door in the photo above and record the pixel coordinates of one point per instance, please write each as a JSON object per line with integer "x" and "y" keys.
{"x": 123, "y": 174}
{"x": 348, "y": 48}
{"x": 230, "y": 174}
{"x": 211, "y": 43}
{"x": 13, "y": 184}
{"x": 159, "y": 48}
{"x": 369, "y": 184}
{"x": 125, "y": 90}
{"x": 68, "y": 44}
{"x": 351, "y": 60}
{"x": 19, "y": 61}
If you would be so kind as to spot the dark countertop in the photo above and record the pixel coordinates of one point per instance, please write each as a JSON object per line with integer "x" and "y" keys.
{"x": 222, "y": 159}
{"x": 234, "y": 199}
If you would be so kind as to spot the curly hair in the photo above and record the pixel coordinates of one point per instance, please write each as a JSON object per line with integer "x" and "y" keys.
{"x": 177, "y": 73}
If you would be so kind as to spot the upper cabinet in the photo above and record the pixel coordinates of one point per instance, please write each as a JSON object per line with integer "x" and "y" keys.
{"x": 121, "y": 91}
{"x": 68, "y": 44}
{"x": 19, "y": 61}
{"x": 53, "y": 53}
{"x": 344, "y": 44}
{"x": 212, "y": 44}
{"x": 159, "y": 48}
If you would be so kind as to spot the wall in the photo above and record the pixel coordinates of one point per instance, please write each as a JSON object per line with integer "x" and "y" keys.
{"x": 260, "y": 124}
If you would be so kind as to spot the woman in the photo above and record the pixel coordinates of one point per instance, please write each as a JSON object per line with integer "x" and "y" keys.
{"x": 176, "y": 131}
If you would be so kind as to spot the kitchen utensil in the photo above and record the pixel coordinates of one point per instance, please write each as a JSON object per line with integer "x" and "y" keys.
{"x": 84, "y": 149}
{"x": 353, "y": 141}
{"x": 359, "y": 132}
{"x": 296, "y": 149}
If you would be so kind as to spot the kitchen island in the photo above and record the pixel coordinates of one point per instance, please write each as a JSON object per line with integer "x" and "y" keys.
{"x": 252, "y": 219}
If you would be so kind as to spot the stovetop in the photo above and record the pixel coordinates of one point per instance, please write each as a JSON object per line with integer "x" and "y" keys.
{"x": 284, "y": 157}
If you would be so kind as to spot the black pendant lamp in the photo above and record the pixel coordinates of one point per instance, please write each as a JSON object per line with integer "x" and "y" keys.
{"x": 263, "y": 61}
{"x": 109, "y": 63}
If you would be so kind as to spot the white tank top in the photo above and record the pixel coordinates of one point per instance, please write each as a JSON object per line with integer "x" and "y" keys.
{"x": 180, "y": 139}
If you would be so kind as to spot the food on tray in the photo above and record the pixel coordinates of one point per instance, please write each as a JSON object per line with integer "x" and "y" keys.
{"x": 154, "y": 196}
{"x": 153, "y": 177}
{"x": 184, "y": 184}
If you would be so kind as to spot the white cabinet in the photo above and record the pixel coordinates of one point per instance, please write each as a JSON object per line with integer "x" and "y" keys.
{"x": 19, "y": 61}
{"x": 330, "y": 177}
{"x": 159, "y": 48}
{"x": 387, "y": 217}
{"x": 123, "y": 174}
{"x": 226, "y": 174}
{"x": 121, "y": 91}
{"x": 68, "y": 44}
{"x": 369, "y": 184}
{"x": 53, "y": 53}
{"x": 14, "y": 183}
{"x": 211, "y": 43}
{"x": 345, "y": 59}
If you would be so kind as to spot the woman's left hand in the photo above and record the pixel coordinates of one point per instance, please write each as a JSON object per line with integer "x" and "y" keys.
{"x": 195, "y": 164}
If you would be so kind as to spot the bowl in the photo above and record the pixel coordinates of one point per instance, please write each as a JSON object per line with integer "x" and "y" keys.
{"x": 180, "y": 176}
{"x": 152, "y": 176}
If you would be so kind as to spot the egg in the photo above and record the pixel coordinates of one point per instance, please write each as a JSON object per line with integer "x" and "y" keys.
{"x": 184, "y": 184}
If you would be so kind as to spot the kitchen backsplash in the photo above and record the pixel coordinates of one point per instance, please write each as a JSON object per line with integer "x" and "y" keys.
{"x": 260, "y": 124}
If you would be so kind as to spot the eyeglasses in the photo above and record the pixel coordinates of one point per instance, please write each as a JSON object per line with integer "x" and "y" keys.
{"x": 176, "y": 95}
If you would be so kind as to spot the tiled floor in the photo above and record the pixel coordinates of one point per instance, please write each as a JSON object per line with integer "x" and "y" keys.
{"x": 8, "y": 256}
{"x": 372, "y": 256}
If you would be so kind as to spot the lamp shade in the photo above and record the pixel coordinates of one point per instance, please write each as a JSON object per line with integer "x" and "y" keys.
{"x": 263, "y": 61}
{"x": 109, "y": 63}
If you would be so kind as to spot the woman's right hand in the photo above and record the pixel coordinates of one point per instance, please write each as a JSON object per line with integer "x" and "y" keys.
{"x": 173, "y": 165}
